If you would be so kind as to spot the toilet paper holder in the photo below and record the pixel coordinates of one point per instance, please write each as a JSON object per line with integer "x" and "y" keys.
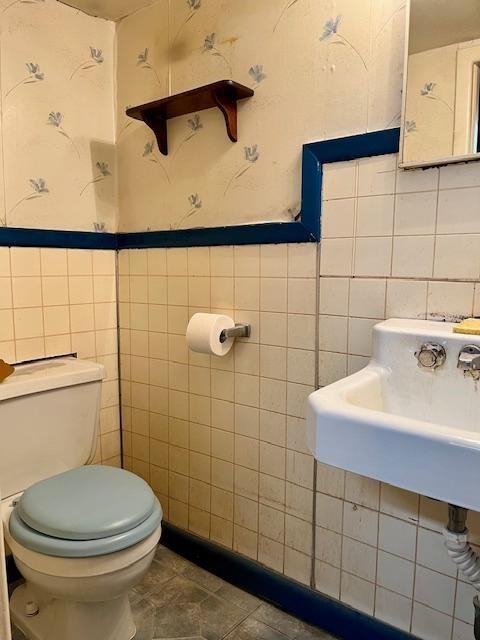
{"x": 240, "y": 330}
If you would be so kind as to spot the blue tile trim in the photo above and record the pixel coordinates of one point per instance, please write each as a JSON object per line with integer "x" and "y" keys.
{"x": 13, "y": 237}
{"x": 268, "y": 233}
{"x": 315, "y": 608}
{"x": 305, "y": 229}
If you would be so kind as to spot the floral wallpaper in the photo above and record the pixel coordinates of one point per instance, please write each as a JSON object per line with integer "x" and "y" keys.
{"x": 437, "y": 122}
{"x": 58, "y": 167}
{"x": 430, "y": 104}
{"x": 319, "y": 70}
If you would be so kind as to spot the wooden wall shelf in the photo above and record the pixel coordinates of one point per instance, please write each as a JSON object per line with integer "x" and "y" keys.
{"x": 223, "y": 94}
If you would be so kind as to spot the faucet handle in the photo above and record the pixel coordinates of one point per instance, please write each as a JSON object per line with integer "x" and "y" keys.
{"x": 469, "y": 358}
{"x": 431, "y": 355}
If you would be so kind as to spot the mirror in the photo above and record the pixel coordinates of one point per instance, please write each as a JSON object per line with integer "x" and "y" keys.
{"x": 441, "y": 115}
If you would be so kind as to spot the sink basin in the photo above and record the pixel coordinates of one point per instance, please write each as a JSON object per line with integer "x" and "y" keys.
{"x": 406, "y": 425}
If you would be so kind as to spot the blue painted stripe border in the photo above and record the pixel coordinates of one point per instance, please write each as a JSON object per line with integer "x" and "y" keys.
{"x": 307, "y": 228}
{"x": 16, "y": 237}
{"x": 315, "y": 608}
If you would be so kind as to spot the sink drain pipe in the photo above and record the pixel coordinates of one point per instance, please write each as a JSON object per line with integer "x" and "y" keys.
{"x": 462, "y": 554}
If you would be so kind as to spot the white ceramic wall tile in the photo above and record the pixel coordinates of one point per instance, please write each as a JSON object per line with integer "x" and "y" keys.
{"x": 373, "y": 257}
{"x": 393, "y": 608}
{"x": 375, "y": 216}
{"x": 413, "y": 256}
{"x": 338, "y": 218}
{"x": 415, "y": 213}
{"x": 434, "y": 590}
{"x": 339, "y": 180}
{"x": 358, "y": 593}
{"x": 395, "y": 574}
{"x": 430, "y": 624}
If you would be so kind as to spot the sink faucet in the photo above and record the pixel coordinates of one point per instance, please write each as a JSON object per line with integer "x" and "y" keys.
{"x": 431, "y": 355}
{"x": 469, "y": 360}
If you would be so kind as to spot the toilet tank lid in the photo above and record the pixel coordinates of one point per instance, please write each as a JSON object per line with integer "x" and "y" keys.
{"x": 44, "y": 375}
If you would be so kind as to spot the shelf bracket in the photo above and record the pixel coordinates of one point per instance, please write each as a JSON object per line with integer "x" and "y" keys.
{"x": 158, "y": 125}
{"x": 227, "y": 104}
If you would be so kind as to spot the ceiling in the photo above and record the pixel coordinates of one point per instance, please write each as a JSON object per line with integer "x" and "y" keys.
{"x": 110, "y": 9}
{"x": 437, "y": 23}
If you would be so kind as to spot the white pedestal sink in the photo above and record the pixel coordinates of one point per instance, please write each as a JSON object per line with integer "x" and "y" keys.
{"x": 403, "y": 424}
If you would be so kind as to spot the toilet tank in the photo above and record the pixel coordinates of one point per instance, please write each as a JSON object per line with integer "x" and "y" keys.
{"x": 49, "y": 416}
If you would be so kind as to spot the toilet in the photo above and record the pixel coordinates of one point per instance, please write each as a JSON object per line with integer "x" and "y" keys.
{"x": 81, "y": 535}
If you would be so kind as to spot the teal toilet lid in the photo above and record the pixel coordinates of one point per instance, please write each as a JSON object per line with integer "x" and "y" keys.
{"x": 60, "y": 548}
{"x": 88, "y": 503}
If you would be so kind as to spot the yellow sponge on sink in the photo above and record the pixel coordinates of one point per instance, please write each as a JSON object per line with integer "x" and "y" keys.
{"x": 470, "y": 325}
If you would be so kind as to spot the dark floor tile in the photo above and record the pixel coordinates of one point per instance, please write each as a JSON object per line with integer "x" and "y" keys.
{"x": 211, "y": 619}
{"x": 279, "y": 620}
{"x": 238, "y": 597}
{"x": 158, "y": 575}
{"x": 203, "y": 578}
{"x": 184, "y": 567}
{"x": 177, "y": 591}
{"x": 252, "y": 629}
{"x": 170, "y": 559}
{"x": 177, "y": 621}
{"x": 144, "y": 617}
{"x": 218, "y": 617}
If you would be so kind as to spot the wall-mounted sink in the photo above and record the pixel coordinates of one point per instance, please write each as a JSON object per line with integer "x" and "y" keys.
{"x": 404, "y": 423}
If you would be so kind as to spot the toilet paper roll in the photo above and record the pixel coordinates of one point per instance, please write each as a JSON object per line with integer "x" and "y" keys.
{"x": 203, "y": 333}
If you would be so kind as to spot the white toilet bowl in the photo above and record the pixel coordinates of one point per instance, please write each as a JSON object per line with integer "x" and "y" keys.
{"x": 75, "y": 597}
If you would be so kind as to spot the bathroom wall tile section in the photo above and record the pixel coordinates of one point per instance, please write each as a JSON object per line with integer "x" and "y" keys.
{"x": 62, "y": 301}
{"x": 398, "y": 244}
{"x": 222, "y": 440}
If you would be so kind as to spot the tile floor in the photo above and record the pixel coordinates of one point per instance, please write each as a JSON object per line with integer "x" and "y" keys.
{"x": 180, "y": 601}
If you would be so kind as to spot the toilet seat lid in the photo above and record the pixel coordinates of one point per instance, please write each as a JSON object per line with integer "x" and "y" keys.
{"x": 88, "y": 503}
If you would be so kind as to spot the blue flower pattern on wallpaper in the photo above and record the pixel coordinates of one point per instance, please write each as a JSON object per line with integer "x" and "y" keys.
{"x": 257, "y": 74}
{"x": 331, "y": 33}
{"x": 144, "y": 63}
{"x": 34, "y": 75}
{"x": 96, "y": 58}
{"x": 194, "y": 125}
{"x": 55, "y": 119}
{"x": 103, "y": 173}
{"x": 410, "y": 126}
{"x": 193, "y": 6}
{"x": 210, "y": 45}
{"x": 428, "y": 91}
{"x": 195, "y": 205}
{"x": 38, "y": 189}
{"x": 251, "y": 156}
{"x": 150, "y": 154}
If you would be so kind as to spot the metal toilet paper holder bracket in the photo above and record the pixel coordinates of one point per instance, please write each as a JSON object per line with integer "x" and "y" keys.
{"x": 240, "y": 330}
